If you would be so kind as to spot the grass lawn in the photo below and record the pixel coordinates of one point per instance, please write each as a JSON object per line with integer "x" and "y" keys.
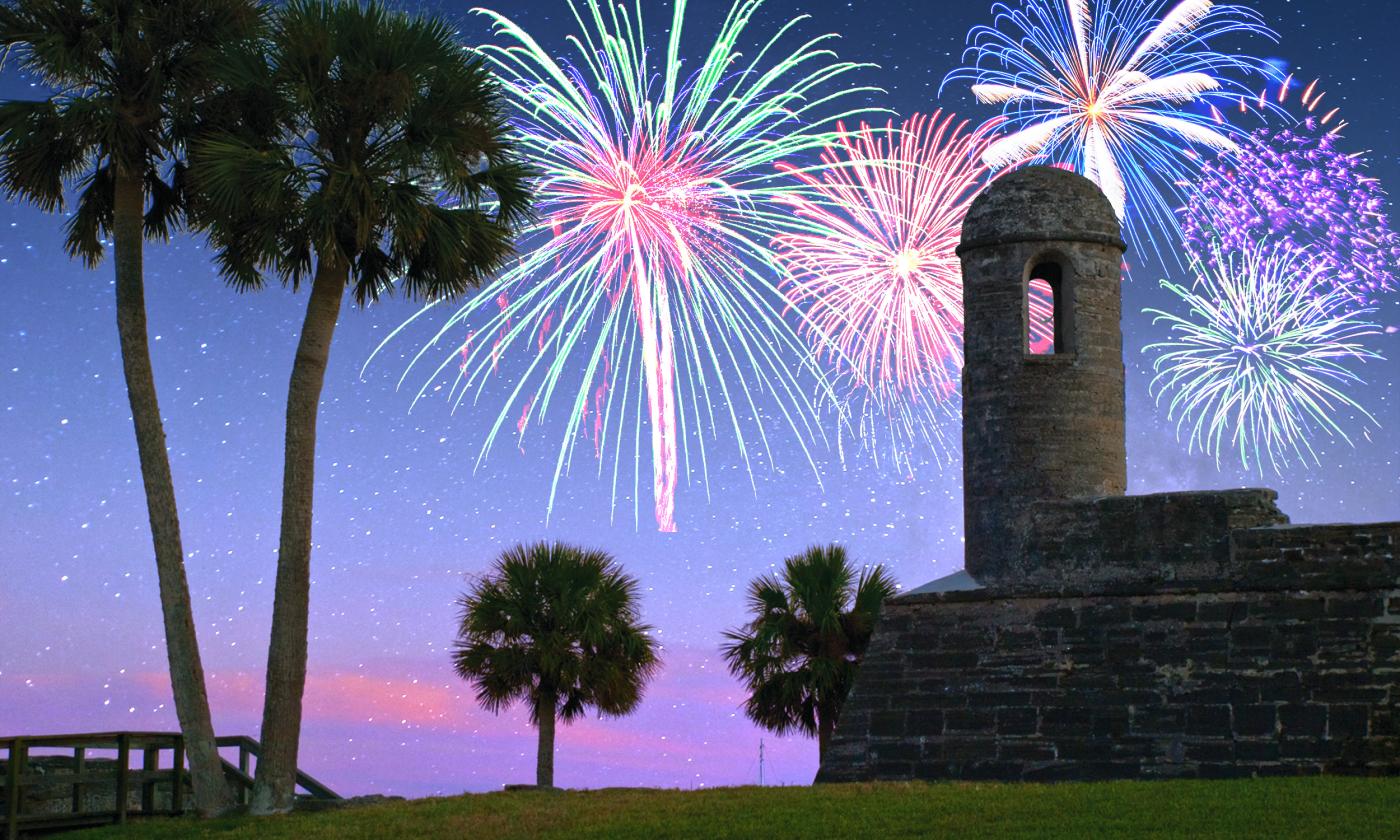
{"x": 1311, "y": 807}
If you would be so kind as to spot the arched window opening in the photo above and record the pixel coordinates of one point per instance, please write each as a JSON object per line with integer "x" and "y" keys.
{"x": 1048, "y": 315}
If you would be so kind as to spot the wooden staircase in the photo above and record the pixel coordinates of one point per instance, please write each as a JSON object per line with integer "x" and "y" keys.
{"x": 99, "y": 781}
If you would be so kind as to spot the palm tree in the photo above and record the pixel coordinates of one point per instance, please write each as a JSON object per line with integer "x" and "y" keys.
{"x": 356, "y": 147}
{"x": 557, "y": 627}
{"x": 799, "y": 655}
{"x": 123, "y": 74}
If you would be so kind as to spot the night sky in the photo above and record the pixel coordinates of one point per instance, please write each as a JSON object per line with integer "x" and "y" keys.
{"x": 402, "y": 515}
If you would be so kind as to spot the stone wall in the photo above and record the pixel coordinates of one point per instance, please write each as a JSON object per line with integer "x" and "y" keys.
{"x": 1163, "y": 538}
{"x": 1288, "y": 663}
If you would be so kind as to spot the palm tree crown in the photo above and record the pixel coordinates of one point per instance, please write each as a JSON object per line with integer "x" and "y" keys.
{"x": 363, "y": 137}
{"x": 125, "y": 76}
{"x": 558, "y": 628}
{"x": 799, "y": 655}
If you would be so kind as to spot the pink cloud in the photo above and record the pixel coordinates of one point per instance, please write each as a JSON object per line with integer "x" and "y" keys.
{"x": 409, "y": 726}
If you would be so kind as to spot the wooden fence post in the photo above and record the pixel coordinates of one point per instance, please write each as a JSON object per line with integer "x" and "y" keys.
{"x": 79, "y": 768}
{"x": 123, "y": 779}
{"x": 150, "y": 760}
{"x": 177, "y": 770}
{"x": 12, "y": 800}
{"x": 243, "y": 768}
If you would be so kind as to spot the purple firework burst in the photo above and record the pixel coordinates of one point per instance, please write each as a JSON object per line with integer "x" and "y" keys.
{"x": 1293, "y": 185}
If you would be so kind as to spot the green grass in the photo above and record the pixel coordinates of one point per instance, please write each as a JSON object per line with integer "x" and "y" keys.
{"x": 1312, "y": 807}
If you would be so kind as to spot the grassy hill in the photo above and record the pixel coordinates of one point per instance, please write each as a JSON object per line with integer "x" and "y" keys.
{"x": 1311, "y": 807}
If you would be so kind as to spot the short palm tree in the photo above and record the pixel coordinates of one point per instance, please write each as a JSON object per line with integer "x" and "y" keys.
{"x": 124, "y": 74}
{"x": 360, "y": 148}
{"x": 557, "y": 628}
{"x": 799, "y": 655}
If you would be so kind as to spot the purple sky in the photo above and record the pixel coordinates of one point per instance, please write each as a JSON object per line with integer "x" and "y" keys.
{"x": 402, "y": 516}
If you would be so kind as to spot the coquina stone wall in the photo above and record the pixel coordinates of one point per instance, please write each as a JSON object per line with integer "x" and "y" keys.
{"x": 1282, "y": 657}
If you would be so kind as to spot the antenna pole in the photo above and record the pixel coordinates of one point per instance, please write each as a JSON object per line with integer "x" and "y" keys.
{"x": 760, "y": 762}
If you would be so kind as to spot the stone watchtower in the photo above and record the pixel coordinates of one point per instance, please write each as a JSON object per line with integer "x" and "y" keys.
{"x": 1038, "y": 425}
{"x": 1097, "y": 635}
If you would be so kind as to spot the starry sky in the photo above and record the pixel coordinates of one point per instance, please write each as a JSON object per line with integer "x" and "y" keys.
{"x": 403, "y": 514}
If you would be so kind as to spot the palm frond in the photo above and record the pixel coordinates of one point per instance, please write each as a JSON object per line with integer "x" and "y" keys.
{"x": 126, "y": 75}
{"x": 409, "y": 173}
{"x": 84, "y": 231}
{"x": 799, "y": 653}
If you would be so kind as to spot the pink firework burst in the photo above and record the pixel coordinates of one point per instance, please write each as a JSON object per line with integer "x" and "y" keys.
{"x": 875, "y": 269}
{"x": 646, "y": 306}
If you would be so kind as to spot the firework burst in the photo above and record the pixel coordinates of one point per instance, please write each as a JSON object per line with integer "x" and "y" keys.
{"x": 1109, "y": 88}
{"x": 649, "y": 299}
{"x": 876, "y": 275}
{"x": 1262, "y": 361}
{"x": 1294, "y": 185}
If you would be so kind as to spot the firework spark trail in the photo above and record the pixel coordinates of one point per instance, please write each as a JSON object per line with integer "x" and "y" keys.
{"x": 650, "y": 261}
{"x": 1106, "y": 87}
{"x": 1295, "y": 185}
{"x": 876, "y": 272}
{"x": 1263, "y": 358}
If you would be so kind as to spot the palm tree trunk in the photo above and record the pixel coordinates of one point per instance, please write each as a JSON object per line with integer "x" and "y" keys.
{"x": 286, "y": 655}
{"x": 544, "y": 762}
{"x": 826, "y": 727}
{"x": 211, "y": 793}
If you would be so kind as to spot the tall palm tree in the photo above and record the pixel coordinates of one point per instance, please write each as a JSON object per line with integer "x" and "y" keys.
{"x": 558, "y": 628}
{"x": 123, "y": 75}
{"x": 799, "y": 655}
{"x": 357, "y": 147}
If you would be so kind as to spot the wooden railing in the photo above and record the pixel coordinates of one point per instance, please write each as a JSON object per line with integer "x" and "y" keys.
{"x": 122, "y": 779}
{"x": 243, "y": 779}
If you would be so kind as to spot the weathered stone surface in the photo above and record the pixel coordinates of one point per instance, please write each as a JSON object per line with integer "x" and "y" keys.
{"x": 1275, "y": 666}
{"x": 1040, "y": 203}
{"x": 1038, "y": 426}
{"x": 1163, "y": 538}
